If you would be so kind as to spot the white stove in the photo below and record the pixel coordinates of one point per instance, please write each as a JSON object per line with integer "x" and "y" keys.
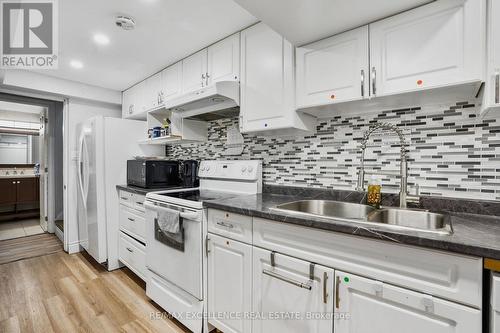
{"x": 176, "y": 277}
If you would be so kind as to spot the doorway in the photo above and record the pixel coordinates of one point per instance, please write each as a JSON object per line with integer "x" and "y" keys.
{"x": 31, "y": 167}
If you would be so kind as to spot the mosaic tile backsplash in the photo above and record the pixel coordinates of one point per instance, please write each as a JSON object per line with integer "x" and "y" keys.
{"x": 453, "y": 152}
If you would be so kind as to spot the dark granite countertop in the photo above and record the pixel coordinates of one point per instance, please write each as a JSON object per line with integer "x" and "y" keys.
{"x": 473, "y": 234}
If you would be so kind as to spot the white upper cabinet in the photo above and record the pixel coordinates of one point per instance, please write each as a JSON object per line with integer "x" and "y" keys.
{"x": 224, "y": 60}
{"x": 194, "y": 71}
{"x": 133, "y": 101}
{"x": 439, "y": 44}
{"x": 285, "y": 285}
{"x": 374, "y": 306}
{"x": 127, "y": 102}
{"x": 152, "y": 92}
{"x": 334, "y": 69}
{"x": 229, "y": 283}
{"x": 171, "y": 78}
{"x": 267, "y": 83}
{"x": 492, "y": 88}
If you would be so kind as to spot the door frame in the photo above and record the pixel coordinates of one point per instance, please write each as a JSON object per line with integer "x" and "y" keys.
{"x": 50, "y": 102}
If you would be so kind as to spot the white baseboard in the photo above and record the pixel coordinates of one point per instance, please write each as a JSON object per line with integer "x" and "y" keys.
{"x": 60, "y": 235}
{"x": 74, "y": 247}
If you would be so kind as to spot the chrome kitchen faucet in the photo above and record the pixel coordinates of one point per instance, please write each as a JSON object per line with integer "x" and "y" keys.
{"x": 404, "y": 197}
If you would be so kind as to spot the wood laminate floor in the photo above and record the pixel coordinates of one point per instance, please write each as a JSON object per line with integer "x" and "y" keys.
{"x": 71, "y": 293}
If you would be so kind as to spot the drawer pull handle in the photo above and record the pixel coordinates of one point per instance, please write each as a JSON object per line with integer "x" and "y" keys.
{"x": 362, "y": 83}
{"x": 325, "y": 285}
{"x": 129, "y": 249}
{"x": 306, "y": 285}
{"x": 224, "y": 224}
{"x": 374, "y": 81}
{"x": 337, "y": 296}
{"x": 139, "y": 203}
{"x": 123, "y": 198}
{"x": 131, "y": 219}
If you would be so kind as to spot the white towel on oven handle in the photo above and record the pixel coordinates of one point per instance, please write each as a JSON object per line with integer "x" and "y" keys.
{"x": 168, "y": 220}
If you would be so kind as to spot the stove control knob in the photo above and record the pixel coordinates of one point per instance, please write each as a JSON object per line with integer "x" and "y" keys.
{"x": 207, "y": 168}
{"x": 250, "y": 169}
{"x": 243, "y": 169}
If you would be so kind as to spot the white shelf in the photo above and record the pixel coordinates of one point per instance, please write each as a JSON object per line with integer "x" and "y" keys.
{"x": 165, "y": 140}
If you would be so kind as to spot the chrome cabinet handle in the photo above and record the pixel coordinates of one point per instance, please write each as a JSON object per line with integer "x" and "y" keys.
{"x": 129, "y": 249}
{"x": 19, "y": 182}
{"x": 337, "y": 296}
{"x": 131, "y": 219}
{"x": 299, "y": 284}
{"x": 13, "y": 182}
{"x": 362, "y": 83}
{"x": 497, "y": 87}
{"x": 123, "y": 198}
{"x": 374, "y": 81}
{"x": 224, "y": 224}
{"x": 207, "y": 248}
{"x": 139, "y": 203}
{"x": 325, "y": 286}
{"x": 207, "y": 76}
{"x": 202, "y": 79}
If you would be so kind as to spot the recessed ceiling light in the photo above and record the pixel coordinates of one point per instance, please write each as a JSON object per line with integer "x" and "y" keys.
{"x": 76, "y": 64}
{"x": 101, "y": 39}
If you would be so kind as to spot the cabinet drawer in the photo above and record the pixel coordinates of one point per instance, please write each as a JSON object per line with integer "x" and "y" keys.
{"x": 126, "y": 198}
{"x": 441, "y": 274}
{"x": 133, "y": 222}
{"x": 132, "y": 254}
{"x": 138, "y": 201}
{"x": 231, "y": 225}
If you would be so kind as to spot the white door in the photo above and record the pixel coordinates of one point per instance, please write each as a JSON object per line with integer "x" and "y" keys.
{"x": 224, "y": 60}
{"x": 334, "y": 69}
{"x": 438, "y": 44}
{"x": 368, "y": 306}
{"x": 194, "y": 71}
{"x": 172, "y": 81}
{"x": 267, "y": 83}
{"x": 286, "y": 288}
{"x": 43, "y": 178}
{"x": 229, "y": 284}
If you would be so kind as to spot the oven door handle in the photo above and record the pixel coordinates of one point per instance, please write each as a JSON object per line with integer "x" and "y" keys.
{"x": 190, "y": 215}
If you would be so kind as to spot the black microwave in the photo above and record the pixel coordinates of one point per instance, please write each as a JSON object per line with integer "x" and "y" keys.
{"x": 153, "y": 173}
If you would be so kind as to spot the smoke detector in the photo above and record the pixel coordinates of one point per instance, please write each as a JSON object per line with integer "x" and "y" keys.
{"x": 125, "y": 22}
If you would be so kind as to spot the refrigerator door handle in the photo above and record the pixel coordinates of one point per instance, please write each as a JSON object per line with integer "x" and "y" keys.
{"x": 80, "y": 170}
{"x": 85, "y": 186}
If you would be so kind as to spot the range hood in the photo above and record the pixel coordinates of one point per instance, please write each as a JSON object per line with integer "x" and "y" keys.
{"x": 217, "y": 101}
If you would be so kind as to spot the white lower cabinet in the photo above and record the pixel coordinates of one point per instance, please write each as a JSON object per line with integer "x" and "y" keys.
{"x": 291, "y": 295}
{"x": 368, "y": 306}
{"x": 229, "y": 284}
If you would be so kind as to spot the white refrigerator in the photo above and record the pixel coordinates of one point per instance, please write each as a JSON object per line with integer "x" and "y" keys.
{"x": 105, "y": 144}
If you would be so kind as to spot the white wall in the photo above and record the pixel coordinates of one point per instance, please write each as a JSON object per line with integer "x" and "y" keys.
{"x": 76, "y": 112}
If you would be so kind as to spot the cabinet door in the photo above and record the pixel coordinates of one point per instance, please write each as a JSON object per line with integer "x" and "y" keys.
{"x": 27, "y": 190}
{"x": 126, "y": 103}
{"x": 172, "y": 81}
{"x": 224, "y": 60}
{"x": 229, "y": 283}
{"x": 438, "y": 44}
{"x": 267, "y": 81}
{"x": 8, "y": 191}
{"x": 152, "y": 94}
{"x": 334, "y": 69}
{"x": 286, "y": 288}
{"x": 194, "y": 71}
{"x": 495, "y": 303}
{"x": 492, "y": 88}
{"x": 140, "y": 98}
{"x": 367, "y": 306}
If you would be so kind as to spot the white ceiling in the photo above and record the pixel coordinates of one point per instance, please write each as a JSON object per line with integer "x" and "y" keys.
{"x": 166, "y": 31}
{"x": 306, "y": 21}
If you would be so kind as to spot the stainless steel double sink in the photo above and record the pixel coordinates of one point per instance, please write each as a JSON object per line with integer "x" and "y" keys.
{"x": 386, "y": 217}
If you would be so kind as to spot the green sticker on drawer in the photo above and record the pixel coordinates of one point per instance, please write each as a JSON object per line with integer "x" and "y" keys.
{"x": 346, "y": 279}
